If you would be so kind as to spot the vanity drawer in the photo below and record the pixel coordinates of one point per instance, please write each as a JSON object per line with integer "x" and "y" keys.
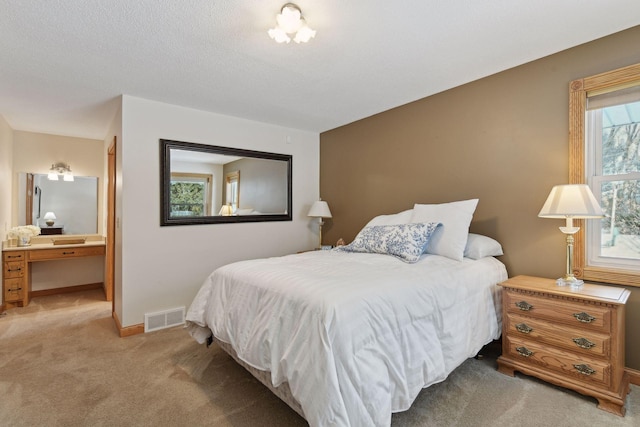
{"x": 61, "y": 253}
{"x": 13, "y": 289}
{"x": 576, "y": 314}
{"x": 14, "y": 269}
{"x": 572, "y": 339}
{"x": 575, "y": 366}
{"x": 13, "y": 256}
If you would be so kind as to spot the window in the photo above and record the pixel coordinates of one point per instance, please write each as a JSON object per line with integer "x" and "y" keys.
{"x": 613, "y": 172}
{"x": 190, "y": 194}
{"x": 232, "y": 190}
{"x": 604, "y": 133}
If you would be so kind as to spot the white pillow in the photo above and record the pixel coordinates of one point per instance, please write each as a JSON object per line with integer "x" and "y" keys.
{"x": 479, "y": 246}
{"x": 450, "y": 239}
{"x": 403, "y": 217}
{"x": 403, "y": 241}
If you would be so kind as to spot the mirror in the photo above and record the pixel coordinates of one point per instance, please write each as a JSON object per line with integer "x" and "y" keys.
{"x": 73, "y": 203}
{"x": 208, "y": 184}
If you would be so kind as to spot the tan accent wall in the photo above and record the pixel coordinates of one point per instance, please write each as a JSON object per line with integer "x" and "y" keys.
{"x": 502, "y": 139}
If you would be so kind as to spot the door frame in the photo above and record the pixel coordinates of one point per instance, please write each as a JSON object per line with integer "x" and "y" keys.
{"x": 111, "y": 223}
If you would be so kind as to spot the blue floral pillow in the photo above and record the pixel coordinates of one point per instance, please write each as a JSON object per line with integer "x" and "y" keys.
{"x": 404, "y": 241}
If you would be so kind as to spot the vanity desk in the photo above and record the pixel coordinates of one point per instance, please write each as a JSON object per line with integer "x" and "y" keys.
{"x": 16, "y": 263}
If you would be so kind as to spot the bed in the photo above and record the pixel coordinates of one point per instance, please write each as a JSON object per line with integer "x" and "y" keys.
{"x": 347, "y": 337}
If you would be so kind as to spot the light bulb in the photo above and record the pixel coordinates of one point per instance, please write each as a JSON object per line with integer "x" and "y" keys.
{"x": 304, "y": 34}
{"x": 289, "y": 19}
{"x": 279, "y": 35}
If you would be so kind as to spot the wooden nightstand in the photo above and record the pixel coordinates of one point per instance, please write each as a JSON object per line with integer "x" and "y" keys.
{"x": 573, "y": 338}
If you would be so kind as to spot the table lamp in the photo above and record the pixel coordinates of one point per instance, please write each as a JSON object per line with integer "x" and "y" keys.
{"x": 320, "y": 210}
{"x": 226, "y": 210}
{"x": 50, "y": 218}
{"x": 571, "y": 201}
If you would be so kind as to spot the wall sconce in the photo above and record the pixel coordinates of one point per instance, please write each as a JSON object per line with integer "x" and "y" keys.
{"x": 60, "y": 168}
{"x": 50, "y": 218}
{"x": 320, "y": 209}
{"x": 291, "y": 21}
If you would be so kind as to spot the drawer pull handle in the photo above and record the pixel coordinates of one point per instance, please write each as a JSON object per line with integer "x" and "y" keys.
{"x": 524, "y": 328}
{"x": 68, "y": 253}
{"x": 14, "y": 256}
{"x": 585, "y": 369}
{"x": 584, "y": 343}
{"x": 524, "y": 351}
{"x": 584, "y": 317}
{"x": 15, "y": 269}
{"x": 524, "y": 306}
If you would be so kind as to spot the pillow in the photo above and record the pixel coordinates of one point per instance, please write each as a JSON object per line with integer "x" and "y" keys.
{"x": 479, "y": 246}
{"x": 451, "y": 238}
{"x": 403, "y": 241}
{"x": 403, "y": 217}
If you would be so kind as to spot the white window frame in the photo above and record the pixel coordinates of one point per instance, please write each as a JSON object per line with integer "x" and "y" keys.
{"x": 205, "y": 179}
{"x": 595, "y": 180}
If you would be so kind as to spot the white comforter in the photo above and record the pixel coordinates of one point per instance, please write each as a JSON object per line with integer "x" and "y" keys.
{"x": 356, "y": 336}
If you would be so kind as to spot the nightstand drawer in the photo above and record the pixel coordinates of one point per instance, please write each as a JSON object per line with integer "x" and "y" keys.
{"x": 571, "y": 339}
{"x": 576, "y": 366}
{"x": 576, "y": 314}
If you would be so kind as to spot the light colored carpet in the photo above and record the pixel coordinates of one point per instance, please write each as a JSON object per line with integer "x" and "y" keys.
{"x": 63, "y": 364}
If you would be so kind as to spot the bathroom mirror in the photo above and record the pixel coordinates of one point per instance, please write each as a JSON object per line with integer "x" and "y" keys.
{"x": 74, "y": 204}
{"x": 208, "y": 184}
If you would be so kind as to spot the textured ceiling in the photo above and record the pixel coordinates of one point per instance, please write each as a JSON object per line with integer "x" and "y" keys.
{"x": 63, "y": 63}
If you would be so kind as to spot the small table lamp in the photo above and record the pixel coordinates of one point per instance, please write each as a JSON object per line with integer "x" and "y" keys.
{"x": 320, "y": 209}
{"x": 226, "y": 210}
{"x": 50, "y": 218}
{"x": 569, "y": 202}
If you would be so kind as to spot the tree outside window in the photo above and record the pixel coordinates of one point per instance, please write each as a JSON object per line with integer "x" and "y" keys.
{"x": 190, "y": 194}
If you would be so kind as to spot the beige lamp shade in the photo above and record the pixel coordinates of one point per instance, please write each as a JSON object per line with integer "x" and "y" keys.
{"x": 225, "y": 210}
{"x": 571, "y": 200}
{"x": 320, "y": 209}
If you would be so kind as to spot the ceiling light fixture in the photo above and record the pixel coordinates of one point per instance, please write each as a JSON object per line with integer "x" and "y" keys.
{"x": 290, "y": 21}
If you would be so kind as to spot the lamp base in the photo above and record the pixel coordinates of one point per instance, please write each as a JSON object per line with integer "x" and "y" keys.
{"x": 571, "y": 281}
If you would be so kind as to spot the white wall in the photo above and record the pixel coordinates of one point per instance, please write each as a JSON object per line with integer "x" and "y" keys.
{"x": 6, "y": 159}
{"x": 163, "y": 267}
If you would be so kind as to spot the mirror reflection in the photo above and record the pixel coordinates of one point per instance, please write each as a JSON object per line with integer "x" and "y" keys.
{"x": 58, "y": 207}
{"x": 211, "y": 184}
